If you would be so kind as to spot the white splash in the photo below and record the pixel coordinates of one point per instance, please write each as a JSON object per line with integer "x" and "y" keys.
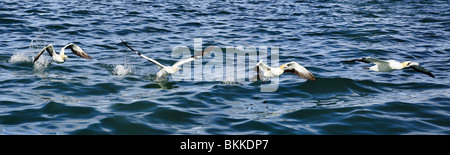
{"x": 126, "y": 68}
{"x": 40, "y": 64}
{"x": 122, "y": 70}
{"x": 20, "y": 57}
{"x": 27, "y": 55}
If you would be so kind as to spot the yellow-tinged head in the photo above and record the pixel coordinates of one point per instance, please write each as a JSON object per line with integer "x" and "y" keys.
{"x": 175, "y": 69}
{"x": 406, "y": 64}
{"x": 64, "y": 57}
{"x": 283, "y": 66}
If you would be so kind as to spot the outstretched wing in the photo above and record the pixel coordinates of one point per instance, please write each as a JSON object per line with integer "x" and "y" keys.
{"x": 368, "y": 60}
{"x": 78, "y": 51}
{"x": 421, "y": 69}
{"x": 195, "y": 56}
{"x": 300, "y": 71}
{"x": 48, "y": 48}
{"x": 151, "y": 60}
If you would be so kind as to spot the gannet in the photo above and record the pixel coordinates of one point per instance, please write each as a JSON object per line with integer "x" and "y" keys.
{"x": 390, "y": 65}
{"x": 61, "y": 57}
{"x": 165, "y": 70}
{"x": 290, "y": 67}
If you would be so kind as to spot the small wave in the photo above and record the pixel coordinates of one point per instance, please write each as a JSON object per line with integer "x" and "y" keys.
{"x": 191, "y": 24}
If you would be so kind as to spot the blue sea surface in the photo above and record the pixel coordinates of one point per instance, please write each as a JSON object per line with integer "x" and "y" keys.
{"x": 115, "y": 92}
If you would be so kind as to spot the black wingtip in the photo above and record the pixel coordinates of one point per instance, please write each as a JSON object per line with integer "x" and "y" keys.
{"x": 123, "y": 42}
{"x": 361, "y": 60}
{"x": 429, "y": 74}
{"x": 314, "y": 80}
{"x": 127, "y": 45}
{"x": 422, "y": 70}
{"x": 354, "y": 60}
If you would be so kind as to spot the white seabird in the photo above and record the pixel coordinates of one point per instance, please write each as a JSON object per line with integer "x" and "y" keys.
{"x": 165, "y": 70}
{"x": 61, "y": 57}
{"x": 290, "y": 67}
{"x": 390, "y": 65}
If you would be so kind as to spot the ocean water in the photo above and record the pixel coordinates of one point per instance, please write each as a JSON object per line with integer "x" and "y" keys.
{"x": 115, "y": 92}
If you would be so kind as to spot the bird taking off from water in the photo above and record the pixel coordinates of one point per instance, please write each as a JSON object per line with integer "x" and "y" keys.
{"x": 290, "y": 67}
{"x": 390, "y": 65}
{"x": 61, "y": 57}
{"x": 165, "y": 70}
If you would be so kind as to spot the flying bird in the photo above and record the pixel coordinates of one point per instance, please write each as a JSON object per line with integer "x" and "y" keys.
{"x": 165, "y": 70}
{"x": 290, "y": 67}
{"x": 390, "y": 65}
{"x": 61, "y": 57}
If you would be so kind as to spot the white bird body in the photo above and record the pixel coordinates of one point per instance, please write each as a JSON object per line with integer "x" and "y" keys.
{"x": 391, "y": 63}
{"x": 165, "y": 70}
{"x": 61, "y": 57}
{"x": 269, "y": 72}
{"x": 290, "y": 67}
{"x": 395, "y": 64}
